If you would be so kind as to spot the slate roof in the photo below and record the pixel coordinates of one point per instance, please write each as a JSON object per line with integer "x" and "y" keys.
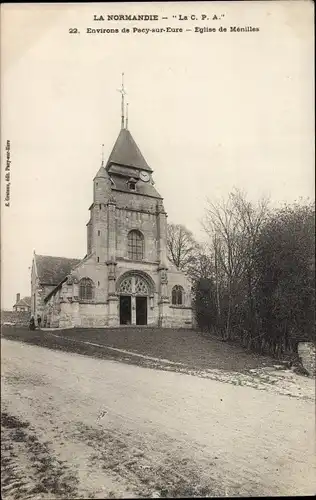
{"x": 102, "y": 173}
{"x": 26, "y": 301}
{"x": 52, "y": 270}
{"x": 144, "y": 188}
{"x": 126, "y": 152}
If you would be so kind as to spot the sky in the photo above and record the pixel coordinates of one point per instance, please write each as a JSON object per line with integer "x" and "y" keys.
{"x": 210, "y": 112}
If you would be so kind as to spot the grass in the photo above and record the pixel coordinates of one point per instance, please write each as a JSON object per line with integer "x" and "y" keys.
{"x": 189, "y": 347}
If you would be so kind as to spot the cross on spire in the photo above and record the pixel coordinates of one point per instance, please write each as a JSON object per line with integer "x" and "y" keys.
{"x": 123, "y": 94}
{"x": 126, "y": 121}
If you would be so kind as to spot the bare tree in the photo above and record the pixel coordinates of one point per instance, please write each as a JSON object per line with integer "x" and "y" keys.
{"x": 201, "y": 265}
{"x": 222, "y": 224}
{"x": 217, "y": 280}
{"x": 253, "y": 218}
{"x": 263, "y": 285}
{"x": 182, "y": 246}
{"x": 233, "y": 226}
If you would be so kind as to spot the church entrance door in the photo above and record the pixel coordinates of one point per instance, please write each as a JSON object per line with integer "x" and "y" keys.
{"x": 134, "y": 293}
{"x": 141, "y": 310}
{"x": 125, "y": 310}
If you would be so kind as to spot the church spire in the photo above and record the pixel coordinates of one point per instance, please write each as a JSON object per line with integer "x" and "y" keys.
{"x": 126, "y": 122}
{"x": 123, "y": 93}
{"x": 102, "y": 155}
{"x": 101, "y": 172}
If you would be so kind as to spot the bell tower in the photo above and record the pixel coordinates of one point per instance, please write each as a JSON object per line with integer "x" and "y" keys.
{"x": 127, "y": 236}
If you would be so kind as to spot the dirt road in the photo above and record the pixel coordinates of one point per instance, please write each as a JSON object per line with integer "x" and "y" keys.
{"x": 75, "y": 426}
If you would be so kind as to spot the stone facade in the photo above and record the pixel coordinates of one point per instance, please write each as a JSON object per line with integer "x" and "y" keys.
{"x": 307, "y": 354}
{"x": 47, "y": 273}
{"x": 126, "y": 276}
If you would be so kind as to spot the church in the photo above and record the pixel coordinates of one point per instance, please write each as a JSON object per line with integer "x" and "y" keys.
{"x": 125, "y": 277}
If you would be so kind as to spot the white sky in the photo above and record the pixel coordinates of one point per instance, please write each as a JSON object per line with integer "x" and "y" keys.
{"x": 209, "y": 111}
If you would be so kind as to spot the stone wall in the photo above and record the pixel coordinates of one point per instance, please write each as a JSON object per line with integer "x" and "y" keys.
{"x": 135, "y": 201}
{"x": 97, "y": 272}
{"x": 66, "y": 314}
{"x": 89, "y": 237}
{"x": 179, "y": 317}
{"x": 55, "y": 310}
{"x": 127, "y": 220}
{"x": 307, "y": 353}
{"x": 93, "y": 315}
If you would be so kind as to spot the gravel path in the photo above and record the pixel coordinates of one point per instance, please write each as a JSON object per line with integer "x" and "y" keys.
{"x": 76, "y": 427}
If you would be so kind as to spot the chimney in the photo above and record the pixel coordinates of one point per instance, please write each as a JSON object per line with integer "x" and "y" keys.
{"x": 18, "y": 296}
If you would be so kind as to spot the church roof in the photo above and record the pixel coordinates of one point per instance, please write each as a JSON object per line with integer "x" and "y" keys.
{"x": 101, "y": 173}
{"x": 52, "y": 270}
{"x": 143, "y": 188}
{"x": 126, "y": 152}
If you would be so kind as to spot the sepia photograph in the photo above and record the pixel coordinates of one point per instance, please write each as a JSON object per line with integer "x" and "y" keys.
{"x": 157, "y": 250}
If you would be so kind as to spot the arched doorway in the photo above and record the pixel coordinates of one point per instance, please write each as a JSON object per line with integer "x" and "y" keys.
{"x": 134, "y": 290}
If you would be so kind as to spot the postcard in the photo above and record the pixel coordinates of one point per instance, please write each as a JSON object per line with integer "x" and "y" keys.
{"x": 157, "y": 228}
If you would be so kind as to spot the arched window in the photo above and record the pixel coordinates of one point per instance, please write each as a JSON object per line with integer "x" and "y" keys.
{"x": 135, "y": 245}
{"x": 86, "y": 289}
{"x": 177, "y": 295}
{"x": 134, "y": 285}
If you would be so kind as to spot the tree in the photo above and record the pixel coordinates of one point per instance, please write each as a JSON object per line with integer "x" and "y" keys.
{"x": 285, "y": 266}
{"x": 263, "y": 277}
{"x": 253, "y": 218}
{"x": 223, "y": 225}
{"x": 233, "y": 226}
{"x": 181, "y": 245}
{"x": 200, "y": 265}
{"x": 204, "y": 303}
